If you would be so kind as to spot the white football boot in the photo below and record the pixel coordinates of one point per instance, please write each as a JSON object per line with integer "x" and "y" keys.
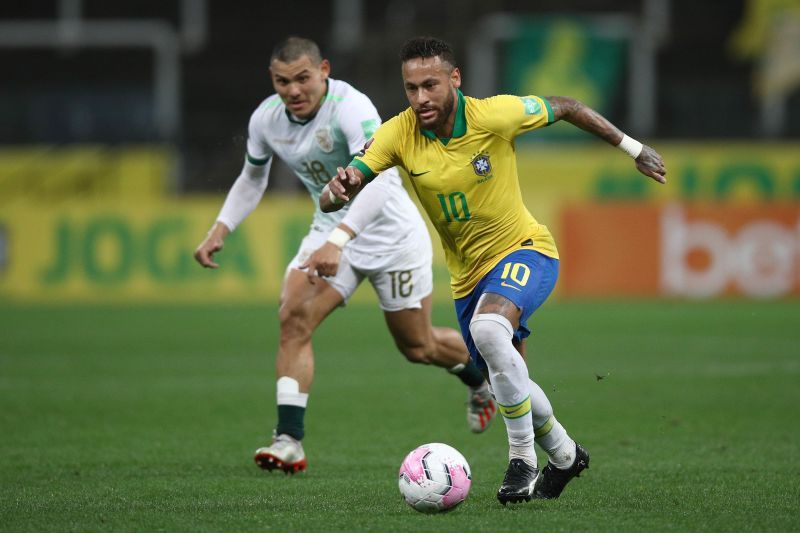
{"x": 285, "y": 453}
{"x": 480, "y": 409}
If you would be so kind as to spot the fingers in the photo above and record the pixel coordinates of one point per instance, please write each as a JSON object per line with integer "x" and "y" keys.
{"x": 320, "y": 270}
{"x": 347, "y": 175}
{"x": 659, "y": 169}
{"x": 336, "y": 186}
{"x": 315, "y": 269}
{"x": 310, "y": 267}
{"x": 205, "y": 258}
{"x": 658, "y": 164}
{"x": 653, "y": 167}
{"x": 319, "y": 267}
{"x": 345, "y": 178}
{"x": 657, "y": 175}
{"x": 327, "y": 270}
{"x": 651, "y": 164}
{"x": 208, "y": 263}
{"x": 352, "y": 178}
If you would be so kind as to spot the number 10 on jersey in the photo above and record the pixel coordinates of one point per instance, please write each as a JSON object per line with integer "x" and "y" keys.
{"x": 454, "y": 206}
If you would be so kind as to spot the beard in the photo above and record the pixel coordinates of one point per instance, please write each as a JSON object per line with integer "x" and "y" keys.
{"x": 442, "y": 115}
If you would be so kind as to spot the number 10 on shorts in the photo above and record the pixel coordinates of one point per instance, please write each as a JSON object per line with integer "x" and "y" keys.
{"x": 516, "y": 272}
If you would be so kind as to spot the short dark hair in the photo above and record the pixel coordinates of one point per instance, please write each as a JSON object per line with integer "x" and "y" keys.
{"x": 293, "y": 48}
{"x": 425, "y": 47}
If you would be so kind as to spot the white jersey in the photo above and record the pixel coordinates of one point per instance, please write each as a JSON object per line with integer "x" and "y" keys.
{"x": 314, "y": 148}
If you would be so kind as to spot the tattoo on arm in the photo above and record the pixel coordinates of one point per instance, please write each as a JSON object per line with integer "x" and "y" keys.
{"x": 649, "y": 161}
{"x": 586, "y": 118}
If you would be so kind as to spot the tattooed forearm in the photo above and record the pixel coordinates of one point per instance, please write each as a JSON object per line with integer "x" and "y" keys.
{"x": 586, "y": 118}
{"x": 648, "y": 162}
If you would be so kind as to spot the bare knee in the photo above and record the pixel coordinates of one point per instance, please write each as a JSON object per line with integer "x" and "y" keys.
{"x": 295, "y": 323}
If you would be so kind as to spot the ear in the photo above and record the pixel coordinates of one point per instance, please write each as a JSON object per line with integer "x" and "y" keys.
{"x": 325, "y": 68}
{"x": 272, "y": 79}
{"x": 455, "y": 78}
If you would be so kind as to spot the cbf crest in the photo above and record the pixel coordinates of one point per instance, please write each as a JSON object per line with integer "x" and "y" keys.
{"x": 324, "y": 139}
{"x": 481, "y": 165}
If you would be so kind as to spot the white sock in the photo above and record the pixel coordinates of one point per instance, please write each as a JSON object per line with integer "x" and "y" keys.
{"x": 289, "y": 392}
{"x": 508, "y": 374}
{"x": 550, "y": 434}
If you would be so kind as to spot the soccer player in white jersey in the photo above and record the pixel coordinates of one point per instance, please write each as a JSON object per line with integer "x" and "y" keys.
{"x": 316, "y": 124}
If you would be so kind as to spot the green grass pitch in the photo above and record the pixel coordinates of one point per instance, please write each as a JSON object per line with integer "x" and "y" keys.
{"x": 145, "y": 419}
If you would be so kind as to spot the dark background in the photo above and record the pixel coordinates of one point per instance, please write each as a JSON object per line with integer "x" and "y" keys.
{"x": 702, "y": 91}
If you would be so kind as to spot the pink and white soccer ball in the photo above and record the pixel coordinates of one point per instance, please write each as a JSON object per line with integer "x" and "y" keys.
{"x": 434, "y": 477}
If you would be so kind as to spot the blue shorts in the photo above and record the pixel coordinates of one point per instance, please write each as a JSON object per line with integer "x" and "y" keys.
{"x": 526, "y": 277}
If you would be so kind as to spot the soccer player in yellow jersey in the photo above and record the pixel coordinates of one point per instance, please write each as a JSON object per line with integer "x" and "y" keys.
{"x": 459, "y": 155}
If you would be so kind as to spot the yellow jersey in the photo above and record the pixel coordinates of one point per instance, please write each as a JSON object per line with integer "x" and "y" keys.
{"x": 468, "y": 184}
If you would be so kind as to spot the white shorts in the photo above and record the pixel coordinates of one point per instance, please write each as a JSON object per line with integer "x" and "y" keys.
{"x": 401, "y": 279}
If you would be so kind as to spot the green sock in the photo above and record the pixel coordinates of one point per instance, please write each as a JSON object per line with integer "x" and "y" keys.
{"x": 290, "y": 421}
{"x": 469, "y": 374}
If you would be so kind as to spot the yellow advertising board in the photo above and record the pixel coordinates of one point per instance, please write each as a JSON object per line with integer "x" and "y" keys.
{"x": 718, "y": 172}
{"x": 123, "y": 239}
{"x": 551, "y": 173}
{"x": 58, "y": 174}
{"x": 731, "y": 173}
{"x": 142, "y": 252}
{"x": 128, "y": 252}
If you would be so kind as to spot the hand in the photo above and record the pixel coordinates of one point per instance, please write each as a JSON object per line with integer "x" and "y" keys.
{"x": 650, "y": 164}
{"x": 205, "y": 252}
{"x": 344, "y": 183}
{"x": 213, "y": 243}
{"x": 323, "y": 262}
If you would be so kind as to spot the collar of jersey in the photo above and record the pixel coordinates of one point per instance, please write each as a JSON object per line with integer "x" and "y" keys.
{"x": 312, "y": 117}
{"x": 459, "y": 126}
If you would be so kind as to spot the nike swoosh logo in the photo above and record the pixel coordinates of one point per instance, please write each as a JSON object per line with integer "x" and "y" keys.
{"x": 515, "y": 411}
{"x": 504, "y": 284}
{"x": 414, "y": 174}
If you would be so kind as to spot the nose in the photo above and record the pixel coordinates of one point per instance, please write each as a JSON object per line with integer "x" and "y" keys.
{"x": 294, "y": 89}
{"x": 422, "y": 97}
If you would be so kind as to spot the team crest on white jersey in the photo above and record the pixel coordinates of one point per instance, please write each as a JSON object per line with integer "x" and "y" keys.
{"x": 481, "y": 165}
{"x": 324, "y": 139}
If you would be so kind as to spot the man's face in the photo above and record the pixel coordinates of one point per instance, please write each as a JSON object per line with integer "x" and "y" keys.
{"x": 300, "y": 84}
{"x": 430, "y": 85}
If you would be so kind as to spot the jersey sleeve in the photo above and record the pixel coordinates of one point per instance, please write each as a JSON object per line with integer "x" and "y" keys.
{"x": 258, "y": 150}
{"x": 358, "y": 120}
{"x": 510, "y": 116}
{"x": 245, "y": 194}
{"x": 383, "y": 151}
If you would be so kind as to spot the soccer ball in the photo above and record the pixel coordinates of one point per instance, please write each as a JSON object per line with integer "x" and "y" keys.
{"x": 434, "y": 477}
